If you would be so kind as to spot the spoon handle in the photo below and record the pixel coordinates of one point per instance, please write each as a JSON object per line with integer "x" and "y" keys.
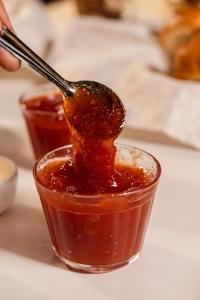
{"x": 14, "y": 45}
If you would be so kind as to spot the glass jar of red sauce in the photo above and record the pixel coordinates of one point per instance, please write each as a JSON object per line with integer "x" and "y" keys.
{"x": 101, "y": 232}
{"x": 42, "y": 109}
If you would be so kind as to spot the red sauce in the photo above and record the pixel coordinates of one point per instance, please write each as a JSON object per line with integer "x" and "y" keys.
{"x": 94, "y": 122}
{"x": 103, "y": 230}
{"x": 62, "y": 177}
{"x": 46, "y": 123}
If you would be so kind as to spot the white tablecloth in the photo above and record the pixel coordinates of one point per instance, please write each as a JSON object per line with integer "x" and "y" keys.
{"x": 169, "y": 266}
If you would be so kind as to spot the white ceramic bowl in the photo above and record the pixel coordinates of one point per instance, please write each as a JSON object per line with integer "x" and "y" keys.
{"x": 8, "y": 182}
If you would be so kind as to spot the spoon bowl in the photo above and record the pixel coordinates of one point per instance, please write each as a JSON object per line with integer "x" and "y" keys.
{"x": 97, "y": 105}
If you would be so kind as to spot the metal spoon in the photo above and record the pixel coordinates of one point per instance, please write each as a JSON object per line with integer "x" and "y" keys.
{"x": 13, "y": 44}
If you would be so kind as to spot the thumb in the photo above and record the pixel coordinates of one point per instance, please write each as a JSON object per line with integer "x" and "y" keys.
{"x": 7, "y": 60}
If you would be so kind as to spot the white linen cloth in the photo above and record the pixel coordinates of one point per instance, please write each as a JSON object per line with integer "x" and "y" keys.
{"x": 120, "y": 55}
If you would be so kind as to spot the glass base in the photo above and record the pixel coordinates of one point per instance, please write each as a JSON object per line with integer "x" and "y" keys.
{"x": 95, "y": 268}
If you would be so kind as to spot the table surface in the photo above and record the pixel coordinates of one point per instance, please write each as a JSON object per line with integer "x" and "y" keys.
{"x": 169, "y": 265}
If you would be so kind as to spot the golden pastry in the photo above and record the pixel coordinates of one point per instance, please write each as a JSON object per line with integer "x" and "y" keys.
{"x": 179, "y": 30}
{"x": 186, "y": 60}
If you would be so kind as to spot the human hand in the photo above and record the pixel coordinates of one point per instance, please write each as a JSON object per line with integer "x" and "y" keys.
{"x": 7, "y": 60}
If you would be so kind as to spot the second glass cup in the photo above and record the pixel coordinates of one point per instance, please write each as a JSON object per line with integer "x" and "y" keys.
{"x": 43, "y": 113}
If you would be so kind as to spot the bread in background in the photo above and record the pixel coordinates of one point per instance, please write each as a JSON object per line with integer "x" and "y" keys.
{"x": 180, "y": 28}
{"x": 186, "y": 61}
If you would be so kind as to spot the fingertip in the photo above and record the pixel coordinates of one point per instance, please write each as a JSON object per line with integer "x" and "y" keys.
{"x": 8, "y": 61}
{"x": 14, "y": 66}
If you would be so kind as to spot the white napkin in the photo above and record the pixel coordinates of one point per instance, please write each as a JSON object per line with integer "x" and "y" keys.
{"x": 162, "y": 104}
{"x": 96, "y": 48}
{"x": 119, "y": 55}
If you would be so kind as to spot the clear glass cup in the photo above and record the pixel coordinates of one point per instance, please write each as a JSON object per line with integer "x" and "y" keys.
{"x": 101, "y": 232}
{"x": 47, "y": 127}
